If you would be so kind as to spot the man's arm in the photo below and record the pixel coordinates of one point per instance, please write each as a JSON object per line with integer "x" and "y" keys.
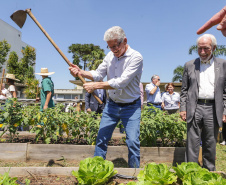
{"x": 183, "y": 95}
{"x": 75, "y": 71}
{"x": 48, "y": 96}
{"x": 218, "y": 18}
{"x": 155, "y": 88}
{"x": 224, "y": 98}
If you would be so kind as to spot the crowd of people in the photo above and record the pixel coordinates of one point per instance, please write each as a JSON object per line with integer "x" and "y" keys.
{"x": 200, "y": 102}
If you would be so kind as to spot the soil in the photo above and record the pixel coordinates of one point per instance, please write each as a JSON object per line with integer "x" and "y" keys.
{"x": 63, "y": 180}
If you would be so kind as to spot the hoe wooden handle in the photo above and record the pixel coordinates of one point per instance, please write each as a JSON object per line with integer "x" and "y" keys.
{"x": 57, "y": 48}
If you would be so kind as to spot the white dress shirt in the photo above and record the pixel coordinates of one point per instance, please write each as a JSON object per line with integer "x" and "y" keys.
{"x": 171, "y": 100}
{"x": 207, "y": 78}
{"x": 123, "y": 74}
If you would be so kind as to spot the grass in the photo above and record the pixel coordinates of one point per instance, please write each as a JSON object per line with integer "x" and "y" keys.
{"x": 221, "y": 156}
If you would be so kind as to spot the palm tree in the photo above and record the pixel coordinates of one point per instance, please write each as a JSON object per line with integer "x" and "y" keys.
{"x": 178, "y": 73}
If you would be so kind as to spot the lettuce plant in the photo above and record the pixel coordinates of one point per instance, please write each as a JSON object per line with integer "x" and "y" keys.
{"x": 156, "y": 174}
{"x": 203, "y": 177}
{"x": 186, "y": 168}
{"x": 94, "y": 171}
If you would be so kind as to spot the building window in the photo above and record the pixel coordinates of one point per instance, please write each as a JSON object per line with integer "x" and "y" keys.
{"x": 23, "y": 48}
{"x": 60, "y": 96}
{"x": 67, "y": 96}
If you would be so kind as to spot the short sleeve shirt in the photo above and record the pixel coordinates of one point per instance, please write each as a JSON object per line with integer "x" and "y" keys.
{"x": 47, "y": 85}
{"x": 156, "y": 97}
{"x": 171, "y": 100}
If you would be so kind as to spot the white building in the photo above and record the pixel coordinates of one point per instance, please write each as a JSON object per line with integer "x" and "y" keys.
{"x": 13, "y": 37}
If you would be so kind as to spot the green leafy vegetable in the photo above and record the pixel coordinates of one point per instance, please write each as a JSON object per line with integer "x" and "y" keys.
{"x": 94, "y": 171}
{"x": 203, "y": 177}
{"x": 157, "y": 174}
{"x": 186, "y": 168}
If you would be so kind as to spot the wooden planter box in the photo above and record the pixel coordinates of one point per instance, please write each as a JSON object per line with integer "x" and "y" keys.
{"x": 44, "y": 152}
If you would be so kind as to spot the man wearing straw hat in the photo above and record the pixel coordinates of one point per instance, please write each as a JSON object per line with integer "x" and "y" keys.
{"x": 47, "y": 89}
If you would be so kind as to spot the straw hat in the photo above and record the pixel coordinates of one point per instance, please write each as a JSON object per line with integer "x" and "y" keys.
{"x": 11, "y": 76}
{"x": 45, "y": 72}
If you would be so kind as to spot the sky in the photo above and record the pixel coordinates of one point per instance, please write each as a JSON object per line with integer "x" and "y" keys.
{"x": 161, "y": 30}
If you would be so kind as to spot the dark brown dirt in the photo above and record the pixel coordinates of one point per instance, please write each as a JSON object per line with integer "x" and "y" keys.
{"x": 63, "y": 180}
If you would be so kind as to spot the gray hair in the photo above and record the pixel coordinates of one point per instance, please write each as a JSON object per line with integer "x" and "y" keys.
{"x": 213, "y": 39}
{"x": 153, "y": 77}
{"x": 113, "y": 33}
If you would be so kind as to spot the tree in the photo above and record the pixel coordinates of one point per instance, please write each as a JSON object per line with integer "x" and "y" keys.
{"x": 178, "y": 73}
{"x": 31, "y": 88}
{"x": 13, "y": 64}
{"x": 87, "y": 55}
{"x": 22, "y": 68}
{"x": 4, "y": 49}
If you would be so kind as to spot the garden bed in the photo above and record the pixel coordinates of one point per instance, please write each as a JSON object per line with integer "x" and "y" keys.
{"x": 44, "y": 152}
{"x": 62, "y": 176}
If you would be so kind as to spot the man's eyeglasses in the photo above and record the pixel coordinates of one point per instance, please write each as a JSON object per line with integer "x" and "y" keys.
{"x": 115, "y": 47}
{"x": 159, "y": 79}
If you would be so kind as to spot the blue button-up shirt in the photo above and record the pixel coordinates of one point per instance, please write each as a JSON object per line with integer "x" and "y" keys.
{"x": 123, "y": 74}
{"x": 156, "y": 97}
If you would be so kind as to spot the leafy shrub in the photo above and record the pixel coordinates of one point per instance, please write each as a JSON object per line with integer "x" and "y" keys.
{"x": 158, "y": 125}
{"x": 11, "y": 117}
{"x": 94, "y": 171}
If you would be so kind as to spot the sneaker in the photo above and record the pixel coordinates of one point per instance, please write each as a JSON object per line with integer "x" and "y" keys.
{"x": 223, "y": 143}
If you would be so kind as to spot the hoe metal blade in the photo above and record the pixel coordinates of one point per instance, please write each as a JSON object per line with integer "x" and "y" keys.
{"x": 19, "y": 17}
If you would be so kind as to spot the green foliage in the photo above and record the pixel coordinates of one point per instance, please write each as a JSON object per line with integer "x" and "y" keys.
{"x": 87, "y": 55}
{"x": 13, "y": 64}
{"x": 204, "y": 177}
{"x": 158, "y": 125}
{"x": 51, "y": 123}
{"x": 94, "y": 171}
{"x": 178, "y": 73}
{"x": 157, "y": 174}
{"x": 31, "y": 90}
{"x": 11, "y": 117}
{"x": 5, "y": 179}
{"x": 22, "y": 69}
{"x": 186, "y": 168}
{"x": 4, "y": 49}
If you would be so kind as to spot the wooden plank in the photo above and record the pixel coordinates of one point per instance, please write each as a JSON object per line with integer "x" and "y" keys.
{"x": 45, "y": 152}
{"x": 13, "y": 151}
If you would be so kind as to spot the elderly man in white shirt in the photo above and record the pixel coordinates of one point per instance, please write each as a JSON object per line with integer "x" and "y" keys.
{"x": 203, "y": 101}
{"x": 123, "y": 67}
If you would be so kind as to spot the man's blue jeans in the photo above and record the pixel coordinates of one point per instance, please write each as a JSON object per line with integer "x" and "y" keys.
{"x": 130, "y": 117}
